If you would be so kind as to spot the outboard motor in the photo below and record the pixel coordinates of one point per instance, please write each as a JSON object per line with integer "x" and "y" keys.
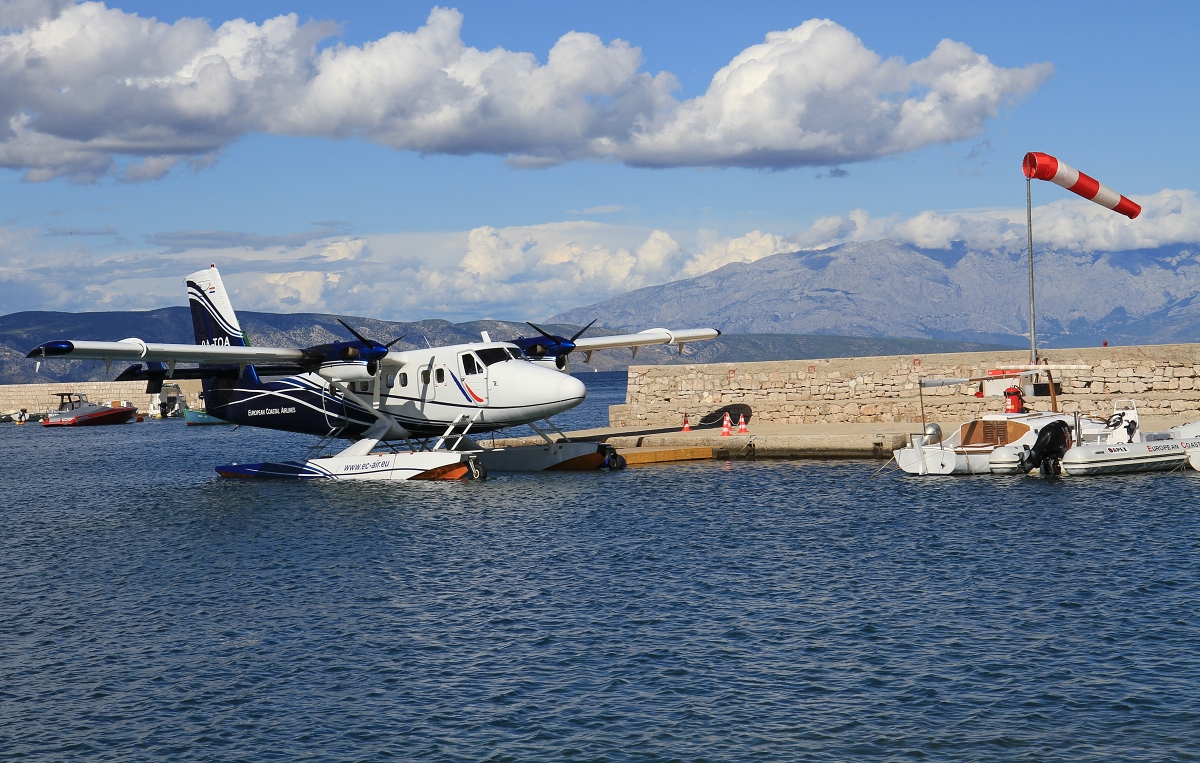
{"x": 933, "y": 434}
{"x": 1048, "y": 450}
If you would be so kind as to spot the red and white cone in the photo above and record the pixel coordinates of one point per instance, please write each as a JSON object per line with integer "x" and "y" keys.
{"x": 742, "y": 428}
{"x": 726, "y": 426}
{"x": 686, "y": 426}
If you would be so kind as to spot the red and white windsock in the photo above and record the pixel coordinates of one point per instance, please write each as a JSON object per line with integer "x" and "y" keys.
{"x": 1039, "y": 166}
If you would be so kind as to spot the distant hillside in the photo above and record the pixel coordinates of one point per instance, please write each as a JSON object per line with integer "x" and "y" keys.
{"x": 19, "y": 332}
{"x": 884, "y": 289}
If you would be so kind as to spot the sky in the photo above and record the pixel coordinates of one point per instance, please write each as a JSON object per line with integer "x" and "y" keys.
{"x": 405, "y": 161}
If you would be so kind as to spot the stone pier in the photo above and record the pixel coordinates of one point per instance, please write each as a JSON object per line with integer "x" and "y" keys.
{"x": 1164, "y": 380}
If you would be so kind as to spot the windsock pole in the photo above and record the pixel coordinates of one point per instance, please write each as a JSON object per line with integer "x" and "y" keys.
{"x": 1029, "y": 230}
{"x": 1045, "y": 167}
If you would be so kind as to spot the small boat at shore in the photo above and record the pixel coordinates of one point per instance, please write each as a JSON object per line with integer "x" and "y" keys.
{"x": 1052, "y": 443}
{"x": 196, "y": 418}
{"x": 74, "y": 410}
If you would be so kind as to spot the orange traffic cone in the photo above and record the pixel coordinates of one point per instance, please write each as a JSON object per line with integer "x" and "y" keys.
{"x": 726, "y": 426}
{"x": 686, "y": 426}
{"x": 742, "y": 428}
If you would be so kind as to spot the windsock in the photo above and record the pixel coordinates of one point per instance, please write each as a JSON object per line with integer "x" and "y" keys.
{"x": 1041, "y": 166}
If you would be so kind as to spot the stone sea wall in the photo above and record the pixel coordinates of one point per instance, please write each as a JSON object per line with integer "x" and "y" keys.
{"x": 40, "y": 397}
{"x": 1163, "y": 379}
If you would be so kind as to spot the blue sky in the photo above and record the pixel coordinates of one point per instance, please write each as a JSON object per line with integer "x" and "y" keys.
{"x": 1103, "y": 87}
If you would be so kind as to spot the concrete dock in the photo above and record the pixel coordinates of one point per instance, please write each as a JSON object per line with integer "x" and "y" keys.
{"x": 871, "y": 441}
{"x": 656, "y": 445}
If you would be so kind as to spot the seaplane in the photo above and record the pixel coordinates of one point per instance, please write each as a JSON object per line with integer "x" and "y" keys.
{"x": 428, "y": 400}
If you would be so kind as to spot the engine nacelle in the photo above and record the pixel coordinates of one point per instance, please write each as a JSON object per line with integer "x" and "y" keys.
{"x": 556, "y": 363}
{"x": 343, "y": 371}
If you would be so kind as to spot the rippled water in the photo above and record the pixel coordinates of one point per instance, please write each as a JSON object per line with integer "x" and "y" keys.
{"x": 709, "y": 611}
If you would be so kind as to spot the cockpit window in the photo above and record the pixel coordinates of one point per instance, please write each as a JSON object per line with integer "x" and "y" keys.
{"x": 492, "y": 355}
{"x": 514, "y": 352}
{"x": 469, "y": 364}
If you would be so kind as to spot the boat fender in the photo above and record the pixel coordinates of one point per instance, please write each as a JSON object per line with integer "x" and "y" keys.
{"x": 614, "y": 461}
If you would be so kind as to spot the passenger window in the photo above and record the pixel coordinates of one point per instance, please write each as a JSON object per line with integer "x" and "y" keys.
{"x": 441, "y": 376}
{"x": 403, "y": 380}
{"x": 391, "y": 381}
{"x": 469, "y": 367}
{"x": 425, "y": 377}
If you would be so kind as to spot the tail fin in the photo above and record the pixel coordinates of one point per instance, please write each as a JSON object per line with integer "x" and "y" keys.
{"x": 214, "y": 322}
{"x": 213, "y": 318}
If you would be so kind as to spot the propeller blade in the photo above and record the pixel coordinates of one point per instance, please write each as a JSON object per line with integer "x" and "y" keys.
{"x": 551, "y": 337}
{"x": 357, "y": 335}
{"x": 397, "y": 339}
{"x": 585, "y": 328}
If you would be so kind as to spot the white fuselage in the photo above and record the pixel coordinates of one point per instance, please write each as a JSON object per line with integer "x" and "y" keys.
{"x": 425, "y": 390}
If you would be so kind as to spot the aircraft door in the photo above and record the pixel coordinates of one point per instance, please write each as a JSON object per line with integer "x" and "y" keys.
{"x": 474, "y": 377}
{"x": 442, "y": 384}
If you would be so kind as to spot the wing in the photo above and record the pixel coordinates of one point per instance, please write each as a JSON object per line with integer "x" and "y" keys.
{"x": 136, "y": 349}
{"x": 649, "y": 336}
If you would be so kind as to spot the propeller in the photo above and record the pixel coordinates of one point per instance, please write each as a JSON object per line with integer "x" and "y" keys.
{"x": 558, "y": 346}
{"x": 373, "y": 353}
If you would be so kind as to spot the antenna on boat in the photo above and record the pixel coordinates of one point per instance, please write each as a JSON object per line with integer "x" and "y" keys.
{"x": 921, "y": 397}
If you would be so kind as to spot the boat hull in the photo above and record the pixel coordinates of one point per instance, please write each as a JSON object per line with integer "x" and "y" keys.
{"x": 401, "y": 466}
{"x": 934, "y": 459}
{"x": 200, "y": 418}
{"x": 92, "y": 419}
{"x": 1129, "y": 458}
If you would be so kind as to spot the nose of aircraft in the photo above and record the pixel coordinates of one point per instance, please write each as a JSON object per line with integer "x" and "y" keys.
{"x": 571, "y": 388}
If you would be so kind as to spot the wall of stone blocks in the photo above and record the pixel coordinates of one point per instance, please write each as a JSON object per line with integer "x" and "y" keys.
{"x": 1163, "y": 379}
{"x": 40, "y": 397}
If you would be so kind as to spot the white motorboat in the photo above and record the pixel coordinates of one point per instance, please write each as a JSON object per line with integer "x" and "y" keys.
{"x": 1053, "y": 443}
{"x": 1124, "y": 448}
{"x": 168, "y": 403}
{"x": 970, "y": 448}
{"x": 74, "y": 410}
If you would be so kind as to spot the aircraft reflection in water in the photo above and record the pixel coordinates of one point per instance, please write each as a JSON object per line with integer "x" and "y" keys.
{"x": 363, "y": 390}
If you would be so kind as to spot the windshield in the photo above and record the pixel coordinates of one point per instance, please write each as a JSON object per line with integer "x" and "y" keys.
{"x": 492, "y": 355}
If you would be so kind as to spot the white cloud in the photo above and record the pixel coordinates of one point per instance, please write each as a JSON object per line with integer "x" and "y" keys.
{"x": 1168, "y": 217}
{"x": 815, "y": 95}
{"x": 346, "y": 249}
{"x": 85, "y": 88}
{"x": 530, "y": 272}
{"x": 716, "y": 251}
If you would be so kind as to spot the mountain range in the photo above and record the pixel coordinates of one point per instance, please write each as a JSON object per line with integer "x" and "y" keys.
{"x": 863, "y": 298}
{"x": 19, "y": 332}
{"x": 886, "y": 289}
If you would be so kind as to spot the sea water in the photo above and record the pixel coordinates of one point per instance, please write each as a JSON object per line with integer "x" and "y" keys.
{"x": 771, "y": 610}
